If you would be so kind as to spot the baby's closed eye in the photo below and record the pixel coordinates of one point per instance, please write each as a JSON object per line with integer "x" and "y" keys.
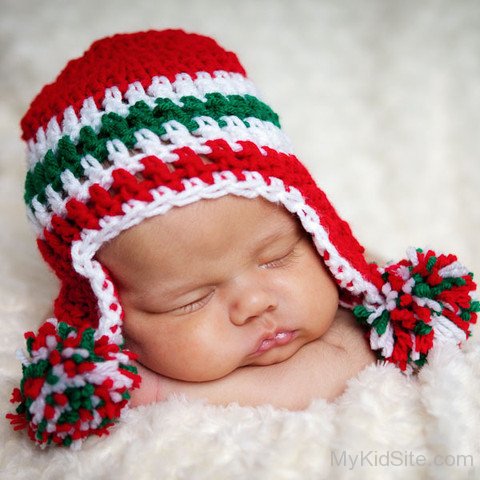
{"x": 193, "y": 306}
{"x": 285, "y": 259}
{"x": 282, "y": 260}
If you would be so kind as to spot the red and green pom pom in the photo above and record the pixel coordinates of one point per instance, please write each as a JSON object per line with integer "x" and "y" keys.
{"x": 73, "y": 386}
{"x": 425, "y": 300}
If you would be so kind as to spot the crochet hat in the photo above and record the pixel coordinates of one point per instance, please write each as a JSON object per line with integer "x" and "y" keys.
{"x": 144, "y": 122}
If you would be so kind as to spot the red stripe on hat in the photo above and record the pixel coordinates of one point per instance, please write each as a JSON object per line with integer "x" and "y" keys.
{"x": 127, "y": 186}
{"x": 121, "y": 60}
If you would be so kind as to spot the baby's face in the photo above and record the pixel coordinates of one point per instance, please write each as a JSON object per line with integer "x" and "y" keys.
{"x": 217, "y": 285}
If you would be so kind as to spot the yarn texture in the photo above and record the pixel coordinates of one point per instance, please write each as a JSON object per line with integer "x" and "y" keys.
{"x": 149, "y": 121}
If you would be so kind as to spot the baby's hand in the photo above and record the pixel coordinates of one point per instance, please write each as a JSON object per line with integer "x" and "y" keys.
{"x": 155, "y": 387}
{"x": 150, "y": 390}
{"x": 318, "y": 370}
{"x": 291, "y": 384}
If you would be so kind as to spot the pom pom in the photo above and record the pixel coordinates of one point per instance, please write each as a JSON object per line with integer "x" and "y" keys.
{"x": 73, "y": 386}
{"x": 425, "y": 300}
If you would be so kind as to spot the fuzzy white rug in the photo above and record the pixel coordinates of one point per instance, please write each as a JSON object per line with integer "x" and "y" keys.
{"x": 383, "y": 426}
{"x": 382, "y": 100}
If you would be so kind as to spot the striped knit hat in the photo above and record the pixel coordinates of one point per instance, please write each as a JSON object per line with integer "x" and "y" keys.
{"x": 148, "y": 121}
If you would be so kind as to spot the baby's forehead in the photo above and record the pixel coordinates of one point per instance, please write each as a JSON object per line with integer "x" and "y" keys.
{"x": 209, "y": 214}
{"x": 210, "y": 223}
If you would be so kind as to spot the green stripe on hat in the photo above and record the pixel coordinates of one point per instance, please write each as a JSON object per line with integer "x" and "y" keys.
{"x": 68, "y": 155}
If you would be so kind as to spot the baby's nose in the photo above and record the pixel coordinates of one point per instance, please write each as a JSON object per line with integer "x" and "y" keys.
{"x": 250, "y": 299}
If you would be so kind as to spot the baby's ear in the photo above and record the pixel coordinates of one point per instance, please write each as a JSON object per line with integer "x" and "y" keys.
{"x": 423, "y": 301}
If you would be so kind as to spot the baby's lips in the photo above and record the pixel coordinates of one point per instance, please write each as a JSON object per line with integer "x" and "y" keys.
{"x": 278, "y": 338}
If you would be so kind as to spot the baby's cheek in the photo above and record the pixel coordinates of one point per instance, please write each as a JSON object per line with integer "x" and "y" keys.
{"x": 143, "y": 338}
{"x": 198, "y": 361}
{"x": 132, "y": 346}
{"x": 193, "y": 349}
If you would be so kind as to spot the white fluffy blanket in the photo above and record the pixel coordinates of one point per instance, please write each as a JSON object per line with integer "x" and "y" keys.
{"x": 381, "y": 100}
{"x": 383, "y": 426}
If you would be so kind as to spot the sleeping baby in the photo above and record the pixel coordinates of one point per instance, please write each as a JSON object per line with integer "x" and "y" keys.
{"x": 196, "y": 254}
{"x": 243, "y": 290}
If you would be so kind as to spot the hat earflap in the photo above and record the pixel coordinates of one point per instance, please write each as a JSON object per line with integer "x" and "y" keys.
{"x": 425, "y": 300}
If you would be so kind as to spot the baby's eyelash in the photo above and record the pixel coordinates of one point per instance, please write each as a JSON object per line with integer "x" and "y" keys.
{"x": 196, "y": 305}
{"x": 282, "y": 261}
